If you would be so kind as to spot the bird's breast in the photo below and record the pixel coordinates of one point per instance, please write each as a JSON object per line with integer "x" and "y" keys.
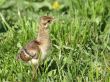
{"x": 44, "y": 50}
{"x": 34, "y": 61}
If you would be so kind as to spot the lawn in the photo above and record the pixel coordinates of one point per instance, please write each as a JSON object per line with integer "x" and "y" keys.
{"x": 80, "y": 40}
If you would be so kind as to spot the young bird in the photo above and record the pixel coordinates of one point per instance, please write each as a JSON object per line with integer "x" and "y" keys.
{"x": 36, "y": 51}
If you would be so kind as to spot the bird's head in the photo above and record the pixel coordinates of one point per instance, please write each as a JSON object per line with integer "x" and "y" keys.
{"x": 46, "y": 20}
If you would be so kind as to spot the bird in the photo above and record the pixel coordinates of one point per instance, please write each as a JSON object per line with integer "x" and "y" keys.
{"x": 36, "y": 50}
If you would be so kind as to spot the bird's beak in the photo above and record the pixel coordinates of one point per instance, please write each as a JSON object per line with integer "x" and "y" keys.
{"x": 53, "y": 19}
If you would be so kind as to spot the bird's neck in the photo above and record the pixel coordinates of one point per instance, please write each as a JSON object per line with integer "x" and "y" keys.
{"x": 43, "y": 35}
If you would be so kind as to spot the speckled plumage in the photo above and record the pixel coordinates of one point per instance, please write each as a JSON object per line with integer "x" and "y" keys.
{"x": 37, "y": 48}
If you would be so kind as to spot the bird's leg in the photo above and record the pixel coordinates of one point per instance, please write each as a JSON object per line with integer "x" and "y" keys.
{"x": 35, "y": 67}
{"x": 34, "y": 71}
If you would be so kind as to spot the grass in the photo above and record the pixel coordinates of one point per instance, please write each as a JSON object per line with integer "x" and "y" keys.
{"x": 80, "y": 49}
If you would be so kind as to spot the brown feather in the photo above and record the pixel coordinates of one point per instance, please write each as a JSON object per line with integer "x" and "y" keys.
{"x": 41, "y": 44}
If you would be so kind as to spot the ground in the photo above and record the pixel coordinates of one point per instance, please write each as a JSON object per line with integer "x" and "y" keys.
{"x": 80, "y": 42}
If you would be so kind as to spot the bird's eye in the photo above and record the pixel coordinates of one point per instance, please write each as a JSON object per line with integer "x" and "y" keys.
{"x": 48, "y": 21}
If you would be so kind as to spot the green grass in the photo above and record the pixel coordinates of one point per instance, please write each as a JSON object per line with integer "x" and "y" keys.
{"x": 80, "y": 50}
